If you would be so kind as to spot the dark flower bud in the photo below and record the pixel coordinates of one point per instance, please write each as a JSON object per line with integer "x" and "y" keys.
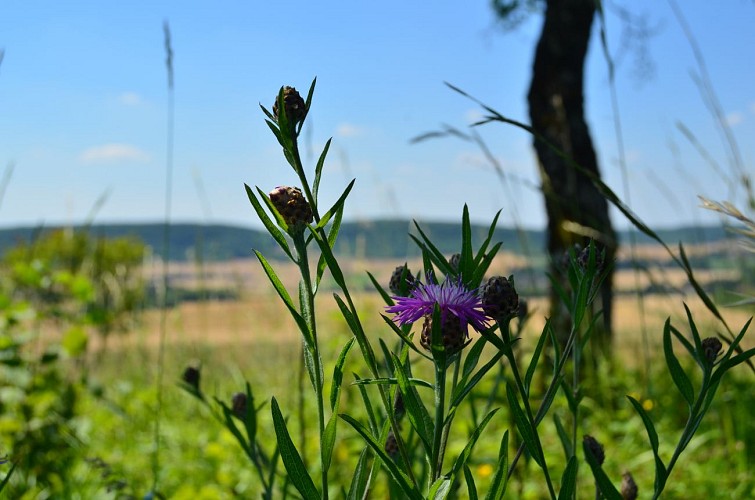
{"x": 583, "y": 257}
{"x": 628, "y": 487}
{"x": 238, "y": 404}
{"x": 499, "y": 298}
{"x": 292, "y": 206}
{"x": 391, "y": 445}
{"x": 454, "y": 262}
{"x": 711, "y": 348}
{"x": 296, "y": 108}
{"x": 402, "y": 281}
{"x": 398, "y": 406}
{"x": 595, "y": 448}
{"x": 191, "y": 376}
{"x": 454, "y": 334}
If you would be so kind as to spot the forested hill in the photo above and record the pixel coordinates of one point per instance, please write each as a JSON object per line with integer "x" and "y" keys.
{"x": 368, "y": 239}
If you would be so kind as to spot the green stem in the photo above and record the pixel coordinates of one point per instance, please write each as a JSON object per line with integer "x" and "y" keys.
{"x": 509, "y": 353}
{"x": 308, "y": 308}
{"x": 438, "y": 431}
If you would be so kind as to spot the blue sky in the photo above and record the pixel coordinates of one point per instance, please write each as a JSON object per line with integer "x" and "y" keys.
{"x": 83, "y": 104}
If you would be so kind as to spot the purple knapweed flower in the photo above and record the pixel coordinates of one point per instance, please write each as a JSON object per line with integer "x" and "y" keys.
{"x": 451, "y": 297}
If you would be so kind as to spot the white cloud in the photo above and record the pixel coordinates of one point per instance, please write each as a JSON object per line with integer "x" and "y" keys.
{"x": 113, "y": 152}
{"x": 734, "y": 118}
{"x": 349, "y": 130}
{"x": 130, "y": 99}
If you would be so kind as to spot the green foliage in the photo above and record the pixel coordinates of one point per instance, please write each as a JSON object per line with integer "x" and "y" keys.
{"x": 68, "y": 275}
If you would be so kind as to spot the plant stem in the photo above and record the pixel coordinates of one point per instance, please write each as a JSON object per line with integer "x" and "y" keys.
{"x": 308, "y": 310}
{"x": 438, "y": 431}
{"x": 509, "y": 353}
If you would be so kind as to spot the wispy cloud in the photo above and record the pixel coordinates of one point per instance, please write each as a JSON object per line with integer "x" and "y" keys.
{"x": 112, "y": 153}
{"x": 130, "y": 99}
{"x": 473, "y": 115}
{"x": 734, "y": 118}
{"x": 349, "y": 130}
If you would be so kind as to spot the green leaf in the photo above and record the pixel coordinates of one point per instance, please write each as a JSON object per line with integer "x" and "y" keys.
{"x": 484, "y": 246}
{"x": 437, "y": 256}
{"x": 463, "y": 458}
{"x": 569, "y": 480}
{"x": 649, "y": 427}
{"x": 473, "y": 356}
{"x": 374, "y": 428}
{"x": 318, "y": 168}
{"x": 604, "y": 484}
{"x": 566, "y": 441}
{"x": 401, "y": 479}
{"x": 269, "y": 225}
{"x": 297, "y": 472}
{"x": 378, "y": 287}
{"x": 335, "y": 387}
{"x": 464, "y": 388}
{"x": 407, "y": 340}
{"x": 466, "y": 242}
{"x": 418, "y": 415}
{"x": 523, "y": 425}
{"x": 283, "y": 294}
{"x": 675, "y": 368}
{"x": 482, "y": 268}
{"x": 356, "y": 328}
{"x": 500, "y": 477}
{"x": 329, "y": 440}
{"x": 660, "y": 468}
{"x": 440, "y": 489}
{"x": 535, "y": 357}
{"x": 360, "y": 480}
{"x": 469, "y": 479}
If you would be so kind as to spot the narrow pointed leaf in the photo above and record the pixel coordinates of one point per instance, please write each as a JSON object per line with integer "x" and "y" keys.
{"x": 569, "y": 480}
{"x": 415, "y": 408}
{"x": 500, "y": 477}
{"x": 318, "y": 168}
{"x": 463, "y": 458}
{"x": 329, "y": 440}
{"x": 523, "y": 425}
{"x": 675, "y": 368}
{"x": 469, "y": 479}
{"x": 535, "y": 358}
{"x": 335, "y": 388}
{"x": 297, "y": 472}
{"x": 403, "y": 481}
{"x": 360, "y": 481}
{"x": 283, "y": 294}
{"x": 566, "y": 441}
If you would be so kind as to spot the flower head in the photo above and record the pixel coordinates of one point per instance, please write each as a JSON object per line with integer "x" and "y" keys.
{"x": 451, "y": 297}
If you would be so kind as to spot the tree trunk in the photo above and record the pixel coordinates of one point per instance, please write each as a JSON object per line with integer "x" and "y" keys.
{"x": 576, "y": 210}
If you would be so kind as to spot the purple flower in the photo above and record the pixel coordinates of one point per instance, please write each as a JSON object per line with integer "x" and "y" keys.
{"x": 451, "y": 297}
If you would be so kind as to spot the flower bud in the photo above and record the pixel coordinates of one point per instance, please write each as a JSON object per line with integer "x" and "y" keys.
{"x": 292, "y": 206}
{"x": 711, "y": 348}
{"x": 595, "y": 448}
{"x": 454, "y": 262}
{"x": 295, "y": 106}
{"x": 391, "y": 445}
{"x": 402, "y": 281}
{"x": 499, "y": 299}
{"x": 454, "y": 334}
{"x": 583, "y": 257}
{"x": 191, "y": 376}
{"x": 399, "y": 410}
{"x": 628, "y": 487}
{"x": 238, "y": 404}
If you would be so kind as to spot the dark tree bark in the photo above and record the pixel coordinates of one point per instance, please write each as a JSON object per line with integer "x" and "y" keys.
{"x": 576, "y": 210}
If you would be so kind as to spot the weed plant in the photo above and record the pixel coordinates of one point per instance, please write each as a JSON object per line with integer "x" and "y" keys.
{"x": 435, "y": 413}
